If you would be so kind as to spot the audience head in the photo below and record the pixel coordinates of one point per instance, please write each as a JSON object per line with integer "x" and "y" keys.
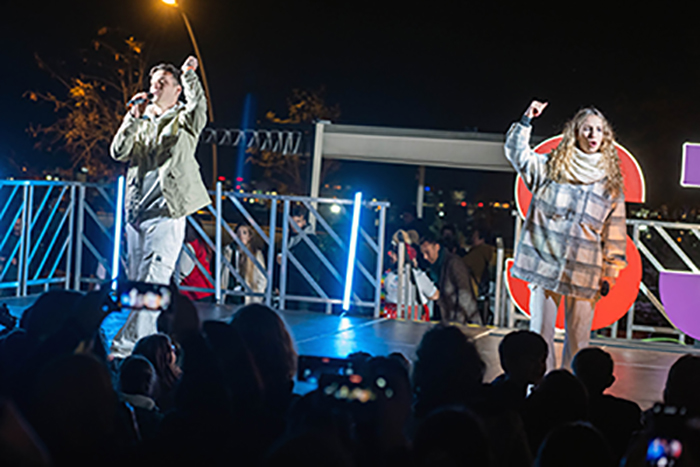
{"x": 137, "y": 376}
{"x": 270, "y": 344}
{"x": 48, "y": 314}
{"x": 523, "y": 356}
{"x": 74, "y": 407}
{"x": 430, "y": 248}
{"x": 299, "y": 215}
{"x": 160, "y": 351}
{"x": 448, "y": 368}
{"x": 245, "y": 234}
{"x": 594, "y": 367}
{"x": 451, "y": 437}
{"x": 561, "y": 396}
{"x": 682, "y": 384}
{"x": 448, "y": 231}
{"x": 480, "y": 235}
{"x": 574, "y": 445}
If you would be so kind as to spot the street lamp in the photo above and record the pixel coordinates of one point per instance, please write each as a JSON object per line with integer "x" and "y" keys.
{"x": 210, "y": 107}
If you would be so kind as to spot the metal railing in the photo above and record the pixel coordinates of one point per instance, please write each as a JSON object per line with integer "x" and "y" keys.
{"x": 663, "y": 247}
{"x": 62, "y": 233}
{"x": 52, "y": 232}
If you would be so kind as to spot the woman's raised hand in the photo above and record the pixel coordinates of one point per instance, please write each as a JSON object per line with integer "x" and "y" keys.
{"x": 535, "y": 110}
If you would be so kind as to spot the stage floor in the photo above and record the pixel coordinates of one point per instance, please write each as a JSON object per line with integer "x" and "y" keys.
{"x": 640, "y": 368}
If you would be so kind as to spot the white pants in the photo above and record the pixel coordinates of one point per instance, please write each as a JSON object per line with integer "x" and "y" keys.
{"x": 578, "y": 315}
{"x": 153, "y": 248}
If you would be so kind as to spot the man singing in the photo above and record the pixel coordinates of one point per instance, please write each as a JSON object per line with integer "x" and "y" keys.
{"x": 159, "y": 138}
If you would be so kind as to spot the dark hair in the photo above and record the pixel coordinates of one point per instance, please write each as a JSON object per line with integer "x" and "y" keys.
{"x": 298, "y": 210}
{"x": 560, "y": 398}
{"x": 452, "y": 436}
{"x": 574, "y": 444}
{"x": 521, "y": 344}
{"x": 429, "y": 238}
{"x": 682, "y": 384}
{"x": 158, "y": 348}
{"x": 269, "y": 341}
{"x": 137, "y": 376}
{"x": 450, "y": 227}
{"x": 169, "y": 68}
{"x": 594, "y": 367}
{"x": 483, "y": 232}
{"x": 448, "y": 370}
{"x": 50, "y": 311}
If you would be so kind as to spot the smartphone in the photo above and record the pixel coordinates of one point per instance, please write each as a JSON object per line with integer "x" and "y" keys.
{"x": 143, "y": 296}
{"x": 310, "y": 368}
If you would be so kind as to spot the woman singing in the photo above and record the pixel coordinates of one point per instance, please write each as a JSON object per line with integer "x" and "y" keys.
{"x": 574, "y": 236}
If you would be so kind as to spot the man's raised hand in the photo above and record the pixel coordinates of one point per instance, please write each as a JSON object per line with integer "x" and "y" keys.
{"x": 535, "y": 110}
{"x": 190, "y": 63}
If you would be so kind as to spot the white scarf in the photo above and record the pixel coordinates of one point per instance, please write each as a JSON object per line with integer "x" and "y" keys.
{"x": 585, "y": 168}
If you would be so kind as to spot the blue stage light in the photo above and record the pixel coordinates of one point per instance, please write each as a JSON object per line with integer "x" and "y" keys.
{"x": 117, "y": 231}
{"x": 353, "y": 250}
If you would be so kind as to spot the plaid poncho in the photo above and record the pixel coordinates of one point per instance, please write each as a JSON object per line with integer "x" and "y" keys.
{"x": 573, "y": 233}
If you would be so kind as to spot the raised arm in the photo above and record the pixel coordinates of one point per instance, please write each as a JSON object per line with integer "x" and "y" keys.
{"x": 194, "y": 119}
{"x": 529, "y": 165}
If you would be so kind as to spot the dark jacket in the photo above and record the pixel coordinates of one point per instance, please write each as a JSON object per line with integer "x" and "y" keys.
{"x": 457, "y": 302}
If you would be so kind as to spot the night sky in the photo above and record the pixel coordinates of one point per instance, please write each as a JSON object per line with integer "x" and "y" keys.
{"x": 438, "y": 65}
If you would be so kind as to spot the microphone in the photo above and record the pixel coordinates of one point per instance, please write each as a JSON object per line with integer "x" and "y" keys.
{"x": 139, "y": 100}
{"x": 604, "y": 289}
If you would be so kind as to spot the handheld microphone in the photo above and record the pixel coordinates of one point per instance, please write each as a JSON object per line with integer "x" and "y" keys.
{"x": 604, "y": 289}
{"x": 139, "y": 100}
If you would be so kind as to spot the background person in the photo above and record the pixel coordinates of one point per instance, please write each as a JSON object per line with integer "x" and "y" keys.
{"x": 251, "y": 274}
{"x": 163, "y": 185}
{"x": 574, "y": 236}
{"x": 456, "y": 301}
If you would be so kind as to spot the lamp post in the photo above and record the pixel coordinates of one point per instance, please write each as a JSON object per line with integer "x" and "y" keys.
{"x": 210, "y": 106}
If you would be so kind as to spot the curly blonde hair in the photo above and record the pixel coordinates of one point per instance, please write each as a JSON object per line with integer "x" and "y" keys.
{"x": 560, "y": 158}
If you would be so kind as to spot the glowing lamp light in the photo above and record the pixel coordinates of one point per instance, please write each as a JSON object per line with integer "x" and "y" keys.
{"x": 222, "y": 178}
{"x": 170, "y": 2}
{"x": 353, "y": 250}
{"x": 117, "y": 231}
{"x": 335, "y": 209}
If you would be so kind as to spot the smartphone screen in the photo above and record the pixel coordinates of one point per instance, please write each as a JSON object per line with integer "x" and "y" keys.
{"x": 664, "y": 452}
{"x": 144, "y": 296}
{"x": 347, "y": 389}
{"x": 311, "y": 368}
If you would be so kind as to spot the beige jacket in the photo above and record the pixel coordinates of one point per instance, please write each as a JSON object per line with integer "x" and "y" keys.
{"x": 168, "y": 144}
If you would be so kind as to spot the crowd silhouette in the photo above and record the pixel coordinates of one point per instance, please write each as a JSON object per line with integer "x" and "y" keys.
{"x": 222, "y": 393}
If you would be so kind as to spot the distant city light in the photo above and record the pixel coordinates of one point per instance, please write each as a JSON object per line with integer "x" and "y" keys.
{"x": 481, "y": 205}
{"x": 427, "y": 188}
{"x": 463, "y": 204}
